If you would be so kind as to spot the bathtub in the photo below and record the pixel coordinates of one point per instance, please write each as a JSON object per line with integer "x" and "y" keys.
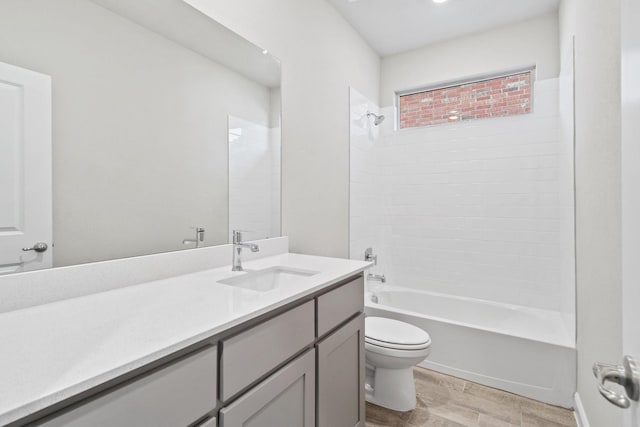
{"x": 527, "y": 351}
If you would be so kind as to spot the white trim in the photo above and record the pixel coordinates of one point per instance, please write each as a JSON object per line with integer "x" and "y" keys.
{"x": 579, "y": 413}
{"x": 470, "y": 79}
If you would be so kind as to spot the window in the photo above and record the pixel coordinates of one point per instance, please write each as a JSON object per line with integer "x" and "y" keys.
{"x": 501, "y": 96}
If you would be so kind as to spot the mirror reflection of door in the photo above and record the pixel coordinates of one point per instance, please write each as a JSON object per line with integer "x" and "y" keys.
{"x": 25, "y": 170}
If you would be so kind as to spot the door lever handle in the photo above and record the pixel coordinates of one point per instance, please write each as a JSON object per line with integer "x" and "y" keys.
{"x": 627, "y": 375}
{"x": 38, "y": 247}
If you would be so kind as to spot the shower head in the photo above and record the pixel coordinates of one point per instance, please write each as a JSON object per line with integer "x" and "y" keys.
{"x": 377, "y": 118}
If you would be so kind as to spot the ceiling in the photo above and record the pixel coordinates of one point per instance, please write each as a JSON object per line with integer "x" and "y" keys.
{"x": 394, "y": 26}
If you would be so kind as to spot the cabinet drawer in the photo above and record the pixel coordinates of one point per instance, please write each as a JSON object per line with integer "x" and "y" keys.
{"x": 340, "y": 304}
{"x": 176, "y": 395}
{"x": 211, "y": 422}
{"x": 249, "y": 355}
{"x": 285, "y": 399}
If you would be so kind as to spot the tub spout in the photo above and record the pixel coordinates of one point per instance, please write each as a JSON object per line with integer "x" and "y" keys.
{"x": 376, "y": 277}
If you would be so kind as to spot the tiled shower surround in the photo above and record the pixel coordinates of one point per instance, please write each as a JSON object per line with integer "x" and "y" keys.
{"x": 478, "y": 208}
{"x": 254, "y": 179}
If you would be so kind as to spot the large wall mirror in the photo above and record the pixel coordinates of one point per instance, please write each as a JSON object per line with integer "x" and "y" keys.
{"x": 161, "y": 120}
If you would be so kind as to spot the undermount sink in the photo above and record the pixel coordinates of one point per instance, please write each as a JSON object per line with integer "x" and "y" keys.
{"x": 268, "y": 279}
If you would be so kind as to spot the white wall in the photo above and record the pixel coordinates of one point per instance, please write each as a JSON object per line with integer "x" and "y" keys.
{"x": 596, "y": 26}
{"x": 480, "y": 208}
{"x": 532, "y": 42}
{"x": 139, "y": 129}
{"x": 321, "y": 57}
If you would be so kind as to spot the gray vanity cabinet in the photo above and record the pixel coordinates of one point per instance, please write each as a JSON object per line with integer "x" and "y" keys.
{"x": 286, "y": 398}
{"x": 302, "y": 366}
{"x": 341, "y": 373}
{"x": 291, "y": 395}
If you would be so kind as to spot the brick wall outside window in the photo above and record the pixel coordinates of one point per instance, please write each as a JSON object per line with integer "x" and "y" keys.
{"x": 498, "y": 97}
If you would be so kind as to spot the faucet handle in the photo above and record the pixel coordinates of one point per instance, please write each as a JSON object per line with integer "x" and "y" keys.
{"x": 369, "y": 256}
{"x": 199, "y": 233}
{"x": 237, "y": 235}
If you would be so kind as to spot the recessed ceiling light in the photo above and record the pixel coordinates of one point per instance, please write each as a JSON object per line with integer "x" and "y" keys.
{"x": 439, "y": 1}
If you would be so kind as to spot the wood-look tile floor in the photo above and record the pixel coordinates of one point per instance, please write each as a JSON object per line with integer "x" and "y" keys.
{"x": 445, "y": 401}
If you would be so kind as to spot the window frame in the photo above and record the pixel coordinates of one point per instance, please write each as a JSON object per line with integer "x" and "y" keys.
{"x": 459, "y": 82}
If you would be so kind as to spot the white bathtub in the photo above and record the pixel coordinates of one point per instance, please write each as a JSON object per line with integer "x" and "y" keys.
{"x": 523, "y": 350}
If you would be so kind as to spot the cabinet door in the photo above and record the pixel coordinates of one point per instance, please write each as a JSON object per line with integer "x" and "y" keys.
{"x": 286, "y": 398}
{"x": 341, "y": 377}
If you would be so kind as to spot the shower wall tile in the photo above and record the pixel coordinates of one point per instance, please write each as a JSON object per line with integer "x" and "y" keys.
{"x": 254, "y": 178}
{"x": 479, "y": 209}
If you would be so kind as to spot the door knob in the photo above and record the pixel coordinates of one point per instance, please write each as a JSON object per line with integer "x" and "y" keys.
{"x": 627, "y": 375}
{"x": 38, "y": 247}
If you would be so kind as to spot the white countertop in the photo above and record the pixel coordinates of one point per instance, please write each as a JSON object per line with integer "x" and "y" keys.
{"x": 54, "y": 351}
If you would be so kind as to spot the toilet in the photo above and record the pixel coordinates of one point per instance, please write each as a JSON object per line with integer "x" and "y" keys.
{"x": 392, "y": 349}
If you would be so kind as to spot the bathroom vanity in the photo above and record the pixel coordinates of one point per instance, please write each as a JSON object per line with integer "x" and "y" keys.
{"x": 199, "y": 353}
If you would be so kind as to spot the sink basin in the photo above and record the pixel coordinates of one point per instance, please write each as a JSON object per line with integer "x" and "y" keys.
{"x": 268, "y": 279}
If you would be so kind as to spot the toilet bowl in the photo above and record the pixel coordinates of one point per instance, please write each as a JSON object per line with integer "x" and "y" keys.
{"x": 392, "y": 349}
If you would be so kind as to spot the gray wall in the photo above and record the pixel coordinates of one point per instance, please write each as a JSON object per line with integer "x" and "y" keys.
{"x": 596, "y": 26}
{"x": 139, "y": 129}
{"x": 321, "y": 57}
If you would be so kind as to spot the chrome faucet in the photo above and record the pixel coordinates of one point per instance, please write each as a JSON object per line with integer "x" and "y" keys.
{"x": 238, "y": 245}
{"x": 377, "y": 277}
{"x": 199, "y": 237}
{"x": 371, "y": 257}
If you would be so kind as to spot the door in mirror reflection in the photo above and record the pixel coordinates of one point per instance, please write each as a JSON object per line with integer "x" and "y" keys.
{"x": 254, "y": 178}
{"x": 25, "y": 169}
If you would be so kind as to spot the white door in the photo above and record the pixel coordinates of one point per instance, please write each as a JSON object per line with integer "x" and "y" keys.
{"x": 25, "y": 169}
{"x": 631, "y": 190}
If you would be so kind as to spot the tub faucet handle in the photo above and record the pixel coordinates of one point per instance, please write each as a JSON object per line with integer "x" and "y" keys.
{"x": 370, "y": 256}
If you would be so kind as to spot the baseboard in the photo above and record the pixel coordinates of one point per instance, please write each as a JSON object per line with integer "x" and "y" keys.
{"x": 581, "y": 416}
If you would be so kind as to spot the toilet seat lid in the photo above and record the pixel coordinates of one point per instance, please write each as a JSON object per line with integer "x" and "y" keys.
{"x": 394, "y": 334}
